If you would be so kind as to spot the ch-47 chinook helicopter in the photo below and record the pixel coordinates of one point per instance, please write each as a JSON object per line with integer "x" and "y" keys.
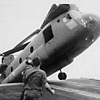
{"x": 65, "y": 33}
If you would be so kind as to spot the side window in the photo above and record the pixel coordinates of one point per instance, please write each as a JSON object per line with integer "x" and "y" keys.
{"x": 48, "y": 34}
{"x": 11, "y": 69}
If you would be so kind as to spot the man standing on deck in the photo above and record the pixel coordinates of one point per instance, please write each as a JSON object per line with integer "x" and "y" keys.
{"x": 35, "y": 80}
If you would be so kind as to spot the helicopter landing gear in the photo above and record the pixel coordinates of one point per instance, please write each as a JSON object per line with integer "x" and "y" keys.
{"x": 62, "y": 75}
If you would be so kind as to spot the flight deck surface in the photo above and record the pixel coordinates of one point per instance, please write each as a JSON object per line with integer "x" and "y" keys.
{"x": 72, "y": 89}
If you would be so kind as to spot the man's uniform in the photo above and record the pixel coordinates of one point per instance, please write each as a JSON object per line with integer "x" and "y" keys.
{"x": 35, "y": 80}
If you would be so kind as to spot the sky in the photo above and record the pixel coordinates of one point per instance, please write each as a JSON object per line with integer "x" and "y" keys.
{"x": 19, "y": 18}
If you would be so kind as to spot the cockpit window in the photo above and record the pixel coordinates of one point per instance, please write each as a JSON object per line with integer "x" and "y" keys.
{"x": 48, "y": 34}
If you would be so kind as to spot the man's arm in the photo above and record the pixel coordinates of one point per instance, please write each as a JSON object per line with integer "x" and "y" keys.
{"x": 47, "y": 86}
{"x": 45, "y": 83}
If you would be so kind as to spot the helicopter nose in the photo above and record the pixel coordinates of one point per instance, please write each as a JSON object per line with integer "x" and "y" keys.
{"x": 92, "y": 24}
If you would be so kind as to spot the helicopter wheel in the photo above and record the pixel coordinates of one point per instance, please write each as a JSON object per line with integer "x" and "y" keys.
{"x": 62, "y": 76}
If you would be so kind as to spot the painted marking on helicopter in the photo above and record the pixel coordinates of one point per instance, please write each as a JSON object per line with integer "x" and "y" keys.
{"x": 71, "y": 24}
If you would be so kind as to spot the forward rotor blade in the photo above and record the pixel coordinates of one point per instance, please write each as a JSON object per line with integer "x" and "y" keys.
{"x": 46, "y": 21}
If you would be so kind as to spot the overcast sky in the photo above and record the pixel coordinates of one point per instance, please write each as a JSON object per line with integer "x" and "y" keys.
{"x": 18, "y": 18}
